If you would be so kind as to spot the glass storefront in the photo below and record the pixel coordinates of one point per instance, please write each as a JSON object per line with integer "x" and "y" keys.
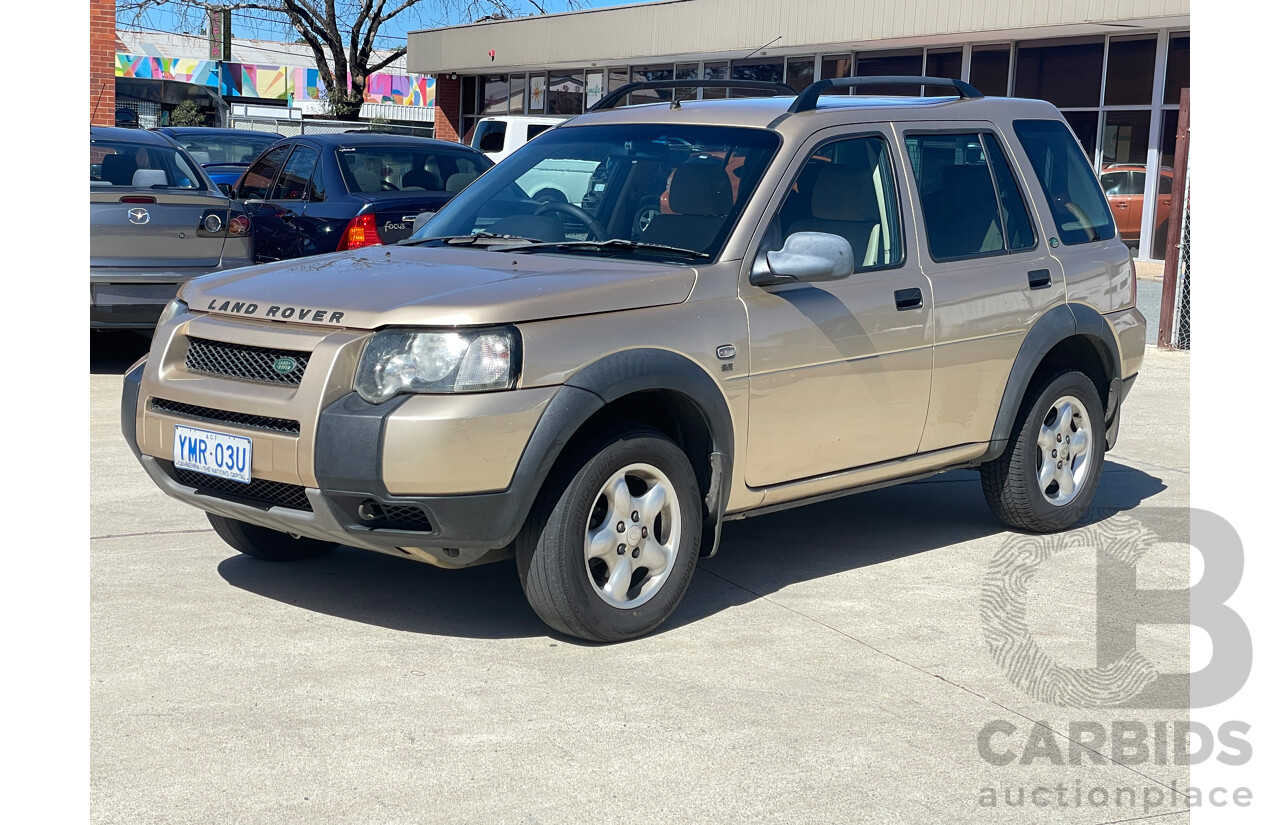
{"x": 1119, "y": 93}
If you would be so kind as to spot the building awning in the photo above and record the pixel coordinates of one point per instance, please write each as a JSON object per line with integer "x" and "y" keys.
{"x": 692, "y": 30}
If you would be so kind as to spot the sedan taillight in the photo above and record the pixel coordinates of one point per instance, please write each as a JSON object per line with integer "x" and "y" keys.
{"x": 239, "y": 225}
{"x": 361, "y": 232}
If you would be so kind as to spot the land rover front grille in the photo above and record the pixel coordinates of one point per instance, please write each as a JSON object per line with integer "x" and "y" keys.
{"x": 273, "y": 493}
{"x": 261, "y": 364}
{"x": 258, "y": 422}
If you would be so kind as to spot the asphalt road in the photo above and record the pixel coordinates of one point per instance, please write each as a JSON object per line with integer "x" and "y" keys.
{"x": 832, "y": 664}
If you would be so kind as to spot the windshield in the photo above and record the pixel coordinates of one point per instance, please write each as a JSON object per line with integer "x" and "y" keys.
{"x": 382, "y": 168}
{"x": 140, "y": 165}
{"x": 635, "y": 189}
{"x": 225, "y": 149}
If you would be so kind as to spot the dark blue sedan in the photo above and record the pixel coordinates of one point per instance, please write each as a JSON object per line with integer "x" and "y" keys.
{"x": 313, "y": 194}
{"x": 224, "y": 153}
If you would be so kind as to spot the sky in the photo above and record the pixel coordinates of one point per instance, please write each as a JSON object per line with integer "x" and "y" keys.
{"x": 262, "y": 25}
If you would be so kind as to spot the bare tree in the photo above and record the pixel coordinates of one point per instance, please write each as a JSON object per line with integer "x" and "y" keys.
{"x": 340, "y": 33}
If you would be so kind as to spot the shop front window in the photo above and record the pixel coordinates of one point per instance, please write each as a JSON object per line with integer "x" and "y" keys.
{"x": 1131, "y": 70}
{"x": 763, "y": 69}
{"x": 496, "y": 90}
{"x": 942, "y": 63}
{"x": 1067, "y": 73}
{"x": 895, "y": 62}
{"x": 989, "y": 69}
{"x": 718, "y": 70}
{"x": 564, "y": 95}
{"x": 799, "y": 72}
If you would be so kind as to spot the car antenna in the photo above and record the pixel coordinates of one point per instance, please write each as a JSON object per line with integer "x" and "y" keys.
{"x": 675, "y": 103}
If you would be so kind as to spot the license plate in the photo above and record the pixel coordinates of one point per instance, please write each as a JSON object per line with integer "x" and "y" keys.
{"x": 215, "y": 454}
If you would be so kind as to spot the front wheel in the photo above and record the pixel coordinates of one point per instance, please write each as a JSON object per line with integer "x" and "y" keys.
{"x": 1046, "y": 477}
{"x": 609, "y": 556}
{"x": 266, "y": 544}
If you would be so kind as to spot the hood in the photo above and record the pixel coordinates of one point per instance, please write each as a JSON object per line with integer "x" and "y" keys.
{"x": 415, "y": 286}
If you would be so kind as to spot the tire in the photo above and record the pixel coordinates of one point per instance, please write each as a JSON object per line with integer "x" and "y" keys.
{"x": 1024, "y": 486}
{"x": 576, "y": 585}
{"x": 648, "y": 210}
{"x": 266, "y": 544}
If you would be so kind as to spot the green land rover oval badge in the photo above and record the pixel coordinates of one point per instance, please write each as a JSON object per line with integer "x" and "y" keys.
{"x": 285, "y": 365}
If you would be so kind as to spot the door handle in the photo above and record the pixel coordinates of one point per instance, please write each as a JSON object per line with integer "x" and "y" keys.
{"x": 906, "y": 299}
{"x": 1038, "y": 278}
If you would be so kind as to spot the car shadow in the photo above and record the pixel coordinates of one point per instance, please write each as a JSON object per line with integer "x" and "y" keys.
{"x": 112, "y": 352}
{"x": 758, "y": 556}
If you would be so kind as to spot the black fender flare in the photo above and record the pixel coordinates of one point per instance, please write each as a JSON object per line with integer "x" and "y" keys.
{"x": 1055, "y": 326}
{"x": 614, "y": 376}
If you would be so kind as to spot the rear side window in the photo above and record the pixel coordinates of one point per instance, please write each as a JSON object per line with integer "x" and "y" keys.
{"x": 490, "y": 136}
{"x": 536, "y": 129}
{"x": 1018, "y": 232}
{"x": 1079, "y": 208}
{"x": 292, "y": 185}
{"x": 257, "y": 181}
{"x": 970, "y": 199}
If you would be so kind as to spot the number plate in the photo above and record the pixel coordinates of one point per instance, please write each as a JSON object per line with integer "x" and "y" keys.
{"x": 215, "y": 454}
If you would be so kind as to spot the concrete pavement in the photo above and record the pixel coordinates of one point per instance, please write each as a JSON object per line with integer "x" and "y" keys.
{"x": 830, "y": 665}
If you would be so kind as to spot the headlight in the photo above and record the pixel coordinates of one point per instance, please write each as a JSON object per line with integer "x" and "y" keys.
{"x": 173, "y": 310}
{"x": 401, "y": 360}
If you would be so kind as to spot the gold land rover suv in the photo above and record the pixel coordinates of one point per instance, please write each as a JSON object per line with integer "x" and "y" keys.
{"x": 753, "y": 304}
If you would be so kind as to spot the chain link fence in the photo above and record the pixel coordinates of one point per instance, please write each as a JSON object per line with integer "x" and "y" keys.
{"x": 1175, "y": 298}
{"x": 290, "y": 128}
{"x": 1181, "y": 337}
{"x": 148, "y": 111}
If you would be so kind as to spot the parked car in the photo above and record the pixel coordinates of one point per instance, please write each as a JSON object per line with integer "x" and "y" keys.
{"x": 500, "y": 135}
{"x": 126, "y": 118}
{"x": 1125, "y": 187}
{"x": 313, "y": 194}
{"x": 155, "y": 221}
{"x": 891, "y": 288}
{"x": 224, "y": 153}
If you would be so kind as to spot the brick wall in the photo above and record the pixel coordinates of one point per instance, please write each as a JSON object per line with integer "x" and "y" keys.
{"x": 102, "y": 62}
{"x": 448, "y": 108}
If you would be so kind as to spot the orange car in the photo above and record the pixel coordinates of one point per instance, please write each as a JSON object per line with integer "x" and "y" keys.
{"x": 1124, "y": 185}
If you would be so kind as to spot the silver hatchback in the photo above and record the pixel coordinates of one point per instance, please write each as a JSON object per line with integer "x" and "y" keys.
{"x": 155, "y": 221}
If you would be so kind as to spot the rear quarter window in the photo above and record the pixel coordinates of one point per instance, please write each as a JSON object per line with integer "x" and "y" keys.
{"x": 1079, "y": 209}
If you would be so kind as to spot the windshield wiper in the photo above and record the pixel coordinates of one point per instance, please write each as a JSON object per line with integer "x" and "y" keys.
{"x": 613, "y": 243}
{"x": 467, "y": 240}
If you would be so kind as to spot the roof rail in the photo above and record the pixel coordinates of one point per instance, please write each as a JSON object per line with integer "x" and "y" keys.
{"x": 807, "y": 100}
{"x": 610, "y": 100}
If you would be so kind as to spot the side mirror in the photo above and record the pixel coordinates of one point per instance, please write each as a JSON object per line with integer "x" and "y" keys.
{"x": 805, "y": 256}
{"x": 227, "y": 189}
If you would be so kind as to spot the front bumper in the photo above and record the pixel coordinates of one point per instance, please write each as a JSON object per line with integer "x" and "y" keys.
{"x": 348, "y": 475}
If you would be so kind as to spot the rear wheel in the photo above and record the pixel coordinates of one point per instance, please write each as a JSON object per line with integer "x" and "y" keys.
{"x": 609, "y": 555}
{"x": 1046, "y": 478}
{"x": 266, "y": 544}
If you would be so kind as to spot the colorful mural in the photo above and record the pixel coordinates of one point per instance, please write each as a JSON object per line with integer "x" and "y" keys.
{"x": 272, "y": 82}
{"x": 305, "y": 85}
{"x": 247, "y": 80}
{"x": 404, "y": 90}
{"x": 184, "y": 69}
